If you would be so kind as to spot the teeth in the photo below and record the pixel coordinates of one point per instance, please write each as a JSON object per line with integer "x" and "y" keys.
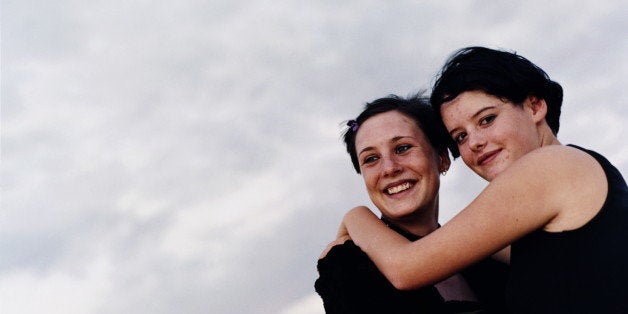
{"x": 399, "y": 188}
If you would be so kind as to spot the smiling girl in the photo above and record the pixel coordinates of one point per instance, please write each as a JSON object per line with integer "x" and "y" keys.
{"x": 400, "y": 149}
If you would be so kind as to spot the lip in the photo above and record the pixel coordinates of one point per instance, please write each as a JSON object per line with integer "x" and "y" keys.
{"x": 396, "y": 183}
{"x": 487, "y": 157}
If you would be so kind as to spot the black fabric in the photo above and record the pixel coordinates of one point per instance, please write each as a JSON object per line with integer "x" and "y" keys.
{"x": 577, "y": 271}
{"x": 349, "y": 282}
{"x": 488, "y": 279}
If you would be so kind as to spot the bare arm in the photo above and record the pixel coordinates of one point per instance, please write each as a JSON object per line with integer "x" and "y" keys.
{"x": 503, "y": 255}
{"x": 530, "y": 195}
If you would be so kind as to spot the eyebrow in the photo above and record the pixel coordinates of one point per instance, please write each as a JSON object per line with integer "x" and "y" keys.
{"x": 482, "y": 110}
{"x": 366, "y": 149}
{"x": 394, "y": 139}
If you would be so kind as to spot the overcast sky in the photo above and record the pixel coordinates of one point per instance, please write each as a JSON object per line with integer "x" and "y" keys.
{"x": 185, "y": 157}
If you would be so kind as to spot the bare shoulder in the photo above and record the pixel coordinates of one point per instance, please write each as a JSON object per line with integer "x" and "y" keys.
{"x": 558, "y": 163}
{"x": 558, "y": 154}
{"x": 574, "y": 181}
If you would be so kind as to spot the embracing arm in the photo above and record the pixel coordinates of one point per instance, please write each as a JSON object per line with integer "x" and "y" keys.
{"x": 527, "y": 196}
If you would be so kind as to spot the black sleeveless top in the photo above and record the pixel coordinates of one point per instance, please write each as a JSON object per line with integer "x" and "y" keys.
{"x": 577, "y": 271}
{"x": 349, "y": 282}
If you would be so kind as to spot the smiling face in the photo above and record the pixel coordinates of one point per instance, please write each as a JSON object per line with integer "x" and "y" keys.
{"x": 492, "y": 133}
{"x": 399, "y": 166}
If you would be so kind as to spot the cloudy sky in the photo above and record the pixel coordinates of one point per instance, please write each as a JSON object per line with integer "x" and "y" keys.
{"x": 184, "y": 157}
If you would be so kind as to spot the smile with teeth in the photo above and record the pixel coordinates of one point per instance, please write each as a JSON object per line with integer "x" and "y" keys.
{"x": 399, "y": 188}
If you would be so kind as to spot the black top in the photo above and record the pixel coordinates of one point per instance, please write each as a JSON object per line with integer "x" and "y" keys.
{"x": 349, "y": 282}
{"x": 577, "y": 271}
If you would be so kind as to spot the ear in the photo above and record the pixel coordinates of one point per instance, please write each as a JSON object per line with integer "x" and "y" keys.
{"x": 445, "y": 162}
{"x": 538, "y": 107}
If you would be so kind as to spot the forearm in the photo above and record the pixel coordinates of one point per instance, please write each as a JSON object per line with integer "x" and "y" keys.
{"x": 409, "y": 265}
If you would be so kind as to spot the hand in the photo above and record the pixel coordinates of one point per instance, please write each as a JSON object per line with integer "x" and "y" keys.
{"x": 339, "y": 241}
{"x": 343, "y": 234}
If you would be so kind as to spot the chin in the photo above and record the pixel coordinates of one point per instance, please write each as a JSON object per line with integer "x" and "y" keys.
{"x": 399, "y": 213}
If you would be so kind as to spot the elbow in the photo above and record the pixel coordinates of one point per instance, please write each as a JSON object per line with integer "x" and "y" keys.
{"x": 402, "y": 281}
{"x": 402, "y": 273}
{"x": 401, "y": 284}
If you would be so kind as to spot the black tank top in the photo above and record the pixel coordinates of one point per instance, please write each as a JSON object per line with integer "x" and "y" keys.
{"x": 577, "y": 271}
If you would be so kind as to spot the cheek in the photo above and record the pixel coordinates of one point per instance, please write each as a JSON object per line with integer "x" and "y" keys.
{"x": 466, "y": 155}
{"x": 370, "y": 181}
{"x": 434, "y": 167}
{"x": 432, "y": 172}
{"x": 518, "y": 139}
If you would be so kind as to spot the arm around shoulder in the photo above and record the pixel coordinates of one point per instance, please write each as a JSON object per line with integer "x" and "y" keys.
{"x": 523, "y": 198}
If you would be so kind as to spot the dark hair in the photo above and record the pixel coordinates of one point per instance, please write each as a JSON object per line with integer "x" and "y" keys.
{"x": 498, "y": 73}
{"x": 415, "y": 107}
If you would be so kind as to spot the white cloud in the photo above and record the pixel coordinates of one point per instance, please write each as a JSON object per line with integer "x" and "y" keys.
{"x": 63, "y": 291}
{"x": 185, "y": 158}
{"x": 310, "y": 304}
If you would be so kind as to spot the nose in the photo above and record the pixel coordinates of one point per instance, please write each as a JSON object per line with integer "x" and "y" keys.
{"x": 476, "y": 141}
{"x": 390, "y": 166}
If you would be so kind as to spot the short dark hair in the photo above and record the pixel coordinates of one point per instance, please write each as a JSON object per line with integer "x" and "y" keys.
{"x": 415, "y": 107}
{"x": 498, "y": 73}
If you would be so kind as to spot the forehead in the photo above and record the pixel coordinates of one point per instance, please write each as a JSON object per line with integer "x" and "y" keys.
{"x": 386, "y": 126}
{"x": 467, "y": 104}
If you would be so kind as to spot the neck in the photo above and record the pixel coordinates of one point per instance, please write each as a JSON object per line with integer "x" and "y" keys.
{"x": 547, "y": 137}
{"x": 422, "y": 229}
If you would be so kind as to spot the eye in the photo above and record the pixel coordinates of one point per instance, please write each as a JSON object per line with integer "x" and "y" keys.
{"x": 488, "y": 119}
{"x": 459, "y": 138}
{"x": 402, "y": 149}
{"x": 370, "y": 159}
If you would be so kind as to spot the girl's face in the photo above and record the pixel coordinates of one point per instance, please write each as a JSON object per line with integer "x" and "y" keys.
{"x": 399, "y": 166}
{"x": 491, "y": 133}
